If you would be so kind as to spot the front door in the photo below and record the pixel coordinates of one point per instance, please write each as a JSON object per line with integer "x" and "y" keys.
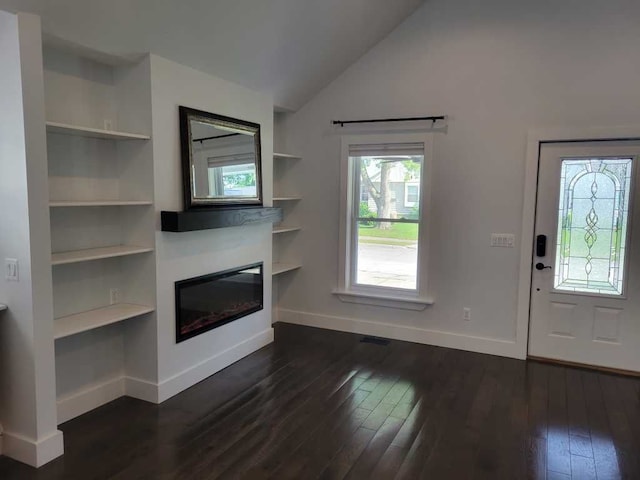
{"x": 585, "y": 294}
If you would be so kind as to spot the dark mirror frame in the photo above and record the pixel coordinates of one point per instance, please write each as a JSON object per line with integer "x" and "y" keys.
{"x": 190, "y": 202}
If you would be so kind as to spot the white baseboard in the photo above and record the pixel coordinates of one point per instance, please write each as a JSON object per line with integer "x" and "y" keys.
{"x": 97, "y": 395}
{"x": 493, "y": 346}
{"x": 89, "y": 398}
{"x": 187, "y": 378}
{"x": 33, "y": 452}
{"x": 141, "y": 389}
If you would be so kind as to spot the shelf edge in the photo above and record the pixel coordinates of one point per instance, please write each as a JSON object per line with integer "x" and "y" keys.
{"x": 142, "y": 310}
{"x": 90, "y": 258}
{"x": 284, "y": 267}
{"x": 77, "y": 130}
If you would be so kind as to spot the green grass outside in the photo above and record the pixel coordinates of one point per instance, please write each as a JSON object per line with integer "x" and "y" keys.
{"x": 399, "y": 231}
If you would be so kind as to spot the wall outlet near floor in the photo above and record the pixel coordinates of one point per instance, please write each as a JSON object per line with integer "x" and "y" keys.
{"x": 107, "y": 124}
{"x": 12, "y": 273}
{"x": 466, "y": 314}
{"x": 503, "y": 240}
{"x": 114, "y": 296}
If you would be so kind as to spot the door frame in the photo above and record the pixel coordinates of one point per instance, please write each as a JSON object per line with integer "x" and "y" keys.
{"x": 535, "y": 139}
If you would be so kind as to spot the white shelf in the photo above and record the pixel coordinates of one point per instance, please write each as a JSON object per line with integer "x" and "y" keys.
{"x": 64, "y": 129}
{"x": 286, "y": 199}
{"x": 85, "y": 321}
{"x": 278, "y": 268}
{"x": 2, "y": 307}
{"x": 277, "y": 230}
{"x": 98, "y": 203}
{"x": 90, "y": 254}
{"x": 286, "y": 156}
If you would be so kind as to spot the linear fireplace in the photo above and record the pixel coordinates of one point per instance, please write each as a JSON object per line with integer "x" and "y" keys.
{"x": 210, "y": 301}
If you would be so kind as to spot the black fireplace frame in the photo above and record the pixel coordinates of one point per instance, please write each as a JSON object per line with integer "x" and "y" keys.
{"x": 205, "y": 278}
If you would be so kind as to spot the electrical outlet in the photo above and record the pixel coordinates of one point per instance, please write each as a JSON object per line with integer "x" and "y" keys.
{"x": 11, "y": 269}
{"x": 114, "y": 296}
{"x": 466, "y": 314}
{"x": 107, "y": 124}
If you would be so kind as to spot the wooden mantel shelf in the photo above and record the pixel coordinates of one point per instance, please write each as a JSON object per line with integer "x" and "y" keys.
{"x": 192, "y": 220}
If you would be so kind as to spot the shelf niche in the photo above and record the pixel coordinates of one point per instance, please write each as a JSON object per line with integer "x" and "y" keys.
{"x": 209, "y": 219}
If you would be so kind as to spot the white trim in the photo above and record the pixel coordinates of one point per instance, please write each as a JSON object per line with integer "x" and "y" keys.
{"x": 177, "y": 383}
{"x": 390, "y": 301}
{"x": 97, "y": 395}
{"x": 534, "y": 139}
{"x": 492, "y": 346}
{"x": 90, "y": 398}
{"x": 33, "y": 452}
{"x": 141, "y": 389}
{"x": 411, "y": 183}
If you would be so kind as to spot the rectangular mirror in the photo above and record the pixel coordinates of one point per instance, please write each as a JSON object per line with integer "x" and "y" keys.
{"x": 221, "y": 162}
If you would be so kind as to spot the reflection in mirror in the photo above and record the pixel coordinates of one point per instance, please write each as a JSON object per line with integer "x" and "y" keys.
{"x": 223, "y": 160}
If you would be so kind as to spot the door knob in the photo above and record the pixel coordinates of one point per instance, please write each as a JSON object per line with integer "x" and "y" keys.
{"x": 542, "y": 266}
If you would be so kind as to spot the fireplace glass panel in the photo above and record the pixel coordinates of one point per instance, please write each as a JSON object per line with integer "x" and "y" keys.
{"x": 210, "y": 301}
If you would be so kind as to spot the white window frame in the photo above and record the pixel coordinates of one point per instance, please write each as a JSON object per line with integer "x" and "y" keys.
{"x": 366, "y": 194}
{"x": 347, "y": 290}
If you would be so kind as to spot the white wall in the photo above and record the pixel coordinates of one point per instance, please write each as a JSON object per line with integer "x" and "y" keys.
{"x": 27, "y": 376}
{"x": 186, "y": 255}
{"x": 497, "y": 68}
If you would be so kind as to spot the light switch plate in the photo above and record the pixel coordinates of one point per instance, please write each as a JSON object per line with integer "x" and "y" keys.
{"x": 507, "y": 240}
{"x": 11, "y": 268}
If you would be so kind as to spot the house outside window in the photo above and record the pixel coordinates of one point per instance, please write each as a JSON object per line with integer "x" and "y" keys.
{"x": 384, "y": 238}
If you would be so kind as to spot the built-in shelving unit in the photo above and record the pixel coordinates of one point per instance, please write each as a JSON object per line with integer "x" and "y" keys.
{"x": 80, "y": 131}
{"x": 101, "y": 196}
{"x": 278, "y": 268}
{"x": 99, "y": 203}
{"x": 90, "y": 254}
{"x": 96, "y": 318}
{"x": 282, "y": 167}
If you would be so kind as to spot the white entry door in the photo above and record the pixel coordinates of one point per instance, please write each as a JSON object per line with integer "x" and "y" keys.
{"x": 585, "y": 295}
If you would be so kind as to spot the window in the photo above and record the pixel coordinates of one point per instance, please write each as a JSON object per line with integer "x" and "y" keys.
{"x": 411, "y": 194}
{"x": 384, "y": 237}
{"x": 231, "y": 176}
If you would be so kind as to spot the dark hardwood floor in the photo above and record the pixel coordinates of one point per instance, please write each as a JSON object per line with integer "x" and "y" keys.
{"x": 321, "y": 404}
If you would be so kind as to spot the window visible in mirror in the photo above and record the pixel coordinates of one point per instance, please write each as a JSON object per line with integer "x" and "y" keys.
{"x": 221, "y": 159}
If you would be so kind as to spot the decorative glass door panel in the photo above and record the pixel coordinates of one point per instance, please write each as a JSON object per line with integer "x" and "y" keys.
{"x": 592, "y": 226}
{"x": 585, "y": 284}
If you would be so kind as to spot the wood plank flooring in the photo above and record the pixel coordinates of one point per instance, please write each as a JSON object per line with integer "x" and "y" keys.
{"x": 323, "y": 405}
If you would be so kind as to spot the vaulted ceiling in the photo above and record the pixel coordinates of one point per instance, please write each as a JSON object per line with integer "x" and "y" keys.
{"x": 289, "y": 48}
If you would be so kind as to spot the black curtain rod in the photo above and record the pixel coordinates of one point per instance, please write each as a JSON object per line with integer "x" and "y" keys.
{"x": 342, "y": 123}
{"x": 211, "y": 138}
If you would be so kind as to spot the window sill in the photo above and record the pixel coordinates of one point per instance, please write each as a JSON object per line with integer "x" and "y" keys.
{"x": 389, "y": 301}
